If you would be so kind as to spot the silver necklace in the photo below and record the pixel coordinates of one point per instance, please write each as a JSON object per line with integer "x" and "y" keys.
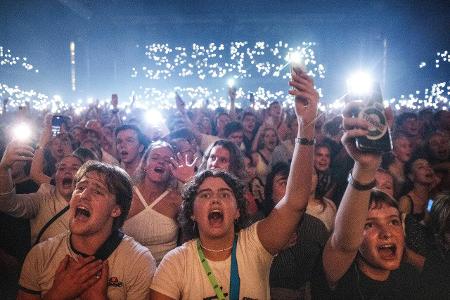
{"x": 214, "y": 250}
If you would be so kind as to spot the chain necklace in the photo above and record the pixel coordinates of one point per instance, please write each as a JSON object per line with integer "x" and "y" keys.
{"x": 214, "y": 250}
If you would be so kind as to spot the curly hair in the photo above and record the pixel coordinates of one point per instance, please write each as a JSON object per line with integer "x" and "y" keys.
{"x": 189, "y": 226}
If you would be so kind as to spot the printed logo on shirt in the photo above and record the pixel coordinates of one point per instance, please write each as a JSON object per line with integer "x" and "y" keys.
{"x": 113, "y": 281}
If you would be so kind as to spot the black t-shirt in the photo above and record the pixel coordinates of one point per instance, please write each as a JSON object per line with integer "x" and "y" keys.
{"x": 436, "y": 274}
{"x": 292, "y": 267}
{"x": 403, "y": 283}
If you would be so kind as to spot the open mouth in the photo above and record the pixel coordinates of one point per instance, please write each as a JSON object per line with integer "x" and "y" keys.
{"x": 67, "y": 182}
{"x": 387, "y": 251}
{"x": 82, "y": 213}
{"x": 123, "y": 153}
{"x": 429, "y": 175}
{"x": 215, "y": 217}
{"x": 159, "y": 170}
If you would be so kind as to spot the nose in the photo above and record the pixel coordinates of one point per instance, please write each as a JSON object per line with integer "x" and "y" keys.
{"x": 214, "y": 163}
{"x": 385, "y": 233}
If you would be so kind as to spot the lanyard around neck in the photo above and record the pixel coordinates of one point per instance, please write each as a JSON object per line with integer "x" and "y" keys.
{"x": 234, "y": 278}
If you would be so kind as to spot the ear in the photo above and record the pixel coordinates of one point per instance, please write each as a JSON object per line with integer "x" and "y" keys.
{"x": 237, "y": 215}
{"x": 117, "y": 211}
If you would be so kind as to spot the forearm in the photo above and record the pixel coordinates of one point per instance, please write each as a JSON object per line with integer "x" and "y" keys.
{"x": 298, "y": 186}
{"x": 6, "y": 182}
{"x": 256, "y": 139}
{"x": 352, "y": 213}
{"x": 37, "y": 166}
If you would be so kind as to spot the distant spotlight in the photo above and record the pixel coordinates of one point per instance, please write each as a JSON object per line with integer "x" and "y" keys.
{"x": 360, "y": 83}
{"x": 154, "y": 117}
{"x": 57, "y": 98}
{"x": 230, "y": 82}
{"x": 21, "y": 132}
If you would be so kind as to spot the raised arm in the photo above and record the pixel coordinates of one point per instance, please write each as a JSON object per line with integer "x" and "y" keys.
{"x": 37, "y": 165}
{"x": 347, "y": 236}
{"x": 15, "y": 151}
{"x": 275, "y": 231}
{"x": 232, "y": 96}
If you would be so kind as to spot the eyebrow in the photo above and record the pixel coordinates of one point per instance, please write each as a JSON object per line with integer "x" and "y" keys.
{"x": 389, "y": 217}
{"x": 89, "y": 180}
{"x": 219, "y": 190}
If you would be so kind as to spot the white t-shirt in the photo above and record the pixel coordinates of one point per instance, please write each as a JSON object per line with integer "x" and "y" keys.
{"x": 131, "y": 267}
{"x": 181, "y": 275}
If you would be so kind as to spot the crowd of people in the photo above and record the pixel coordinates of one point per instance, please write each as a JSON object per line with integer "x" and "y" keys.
{"x": 229, "y": 204}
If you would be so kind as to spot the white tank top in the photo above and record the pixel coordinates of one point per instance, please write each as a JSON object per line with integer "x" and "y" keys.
{"x": 152, "y": 229}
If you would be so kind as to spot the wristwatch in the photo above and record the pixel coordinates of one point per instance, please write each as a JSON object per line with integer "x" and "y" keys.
{"x": 358, "y": 185}
{"x": 305, "y": 141}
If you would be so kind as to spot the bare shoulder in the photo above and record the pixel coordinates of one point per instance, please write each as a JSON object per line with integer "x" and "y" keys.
{"x": 174, "y": 198}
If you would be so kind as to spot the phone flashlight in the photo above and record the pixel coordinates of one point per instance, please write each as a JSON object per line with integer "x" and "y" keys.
{"x": 21, "y": 132}
{"x": 57, "y": 122}
{"x": 230, "y": 83}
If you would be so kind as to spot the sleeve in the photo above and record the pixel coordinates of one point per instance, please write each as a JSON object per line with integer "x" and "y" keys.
{"x": 21, "y": 205}
{"x": 143, "y": 270}
{"x": 29, "y": 277}
{"x": 206, "y": 141}
{"x": 253, "y": 242}
{"x": 168, "y": 276}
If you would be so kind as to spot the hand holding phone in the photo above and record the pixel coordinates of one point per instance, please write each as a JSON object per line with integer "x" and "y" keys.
{"x": 57, "y": 121}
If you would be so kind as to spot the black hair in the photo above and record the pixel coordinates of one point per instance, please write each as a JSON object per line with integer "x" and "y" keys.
{"x": 405, "y": 116}
{"x": 142, "y": 139}
{"x": 188, "y": 225}
{"x": 232, "y": 127}
{"x": 282, "y": 169}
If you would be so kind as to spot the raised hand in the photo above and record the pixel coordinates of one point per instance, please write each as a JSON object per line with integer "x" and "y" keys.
{"x": 16, "y": 151}
{"x": 356, "y": 127}
{"x": 72, "y": 277}
{"x": 181, "y": 106}
{"x": 306, "y": 97}
{"x": 181, "y": 168}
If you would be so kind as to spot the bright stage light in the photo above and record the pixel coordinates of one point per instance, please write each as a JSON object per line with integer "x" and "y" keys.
{"x": 154, "y": 117}
{"x": 360, "y": 83}
{"x": 230, "y": 82}
{"x": 21, "y": 132}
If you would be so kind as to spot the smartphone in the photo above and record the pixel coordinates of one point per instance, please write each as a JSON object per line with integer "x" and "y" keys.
{"x": 57, "y": 122}
{"x": 379, "y": 137}
{"x": 429, "y": 205}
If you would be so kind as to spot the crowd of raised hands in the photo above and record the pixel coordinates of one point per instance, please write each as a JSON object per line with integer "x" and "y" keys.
{"x": 124, "y": 209}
